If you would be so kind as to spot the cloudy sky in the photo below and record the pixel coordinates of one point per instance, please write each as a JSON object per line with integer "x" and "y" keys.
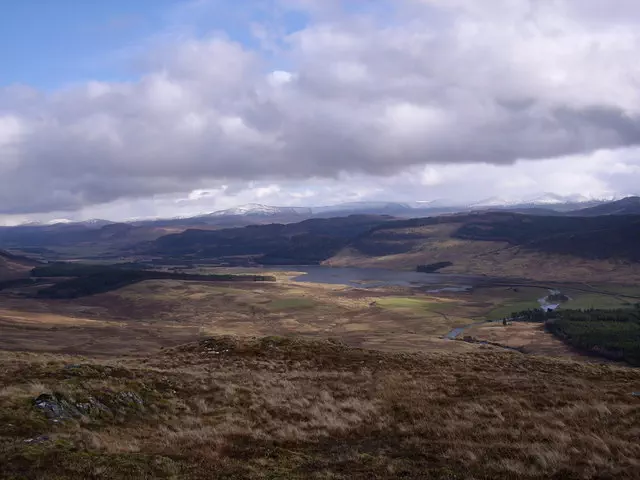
{"x": 126, "y": 109}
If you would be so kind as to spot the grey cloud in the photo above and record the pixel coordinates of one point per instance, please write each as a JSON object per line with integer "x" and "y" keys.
{"x": 360, "y": 97}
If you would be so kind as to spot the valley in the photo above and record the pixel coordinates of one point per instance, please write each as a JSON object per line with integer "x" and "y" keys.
{"x": 263, "y": 349}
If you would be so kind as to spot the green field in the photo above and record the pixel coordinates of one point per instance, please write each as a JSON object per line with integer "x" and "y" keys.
{"x": 583, "y": 301}
{"x": 292, "y": 304}
{"x": 410, "y": 304}
{"x": 505, "y": 311}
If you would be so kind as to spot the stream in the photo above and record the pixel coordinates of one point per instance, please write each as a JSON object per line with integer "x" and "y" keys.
{"x": 544, "y": 304}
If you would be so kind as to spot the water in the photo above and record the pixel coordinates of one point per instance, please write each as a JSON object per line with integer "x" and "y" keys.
{"x": 379, "y": 277}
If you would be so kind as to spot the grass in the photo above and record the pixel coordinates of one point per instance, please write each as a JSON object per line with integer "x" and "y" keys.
{"x": 274, "y": 407}
{"x": 292, "y": 304}
{"x": 144, "y": 317}
{"x": 152, "y": 314}
{"x": 411, "y": 304}
{"x": 505, "y": 311}
{"x": 595, "y": 300}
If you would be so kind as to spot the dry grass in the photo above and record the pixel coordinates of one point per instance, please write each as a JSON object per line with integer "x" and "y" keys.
{"x": 285, "y": 408}
{"x": 530, "y": 338}
{"x": 147, "y": 316}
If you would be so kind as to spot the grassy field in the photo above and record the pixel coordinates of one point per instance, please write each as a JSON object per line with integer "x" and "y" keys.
{"x": 273, "y": 408}
{"x": 583, "y": 300}
{"x": 160, "y": 313}
{"x": 157, "y": 313}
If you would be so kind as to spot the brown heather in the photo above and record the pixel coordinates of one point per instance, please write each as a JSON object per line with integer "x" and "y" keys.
{"x": 274, "y": 408}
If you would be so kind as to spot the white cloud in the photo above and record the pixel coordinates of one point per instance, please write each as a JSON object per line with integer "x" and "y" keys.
{"x": 422, "y": 98}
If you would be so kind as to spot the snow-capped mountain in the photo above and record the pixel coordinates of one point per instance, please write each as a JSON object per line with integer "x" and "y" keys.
{"x": 257, "y": 209}
{"x": 259, "y": 213}
{"x": 494, "y": 202}
{"x": 361, "y": 206}
{"x": 93, "y": 222}
{"x": 556, "y": 199}
{"x": 545, "y": 200}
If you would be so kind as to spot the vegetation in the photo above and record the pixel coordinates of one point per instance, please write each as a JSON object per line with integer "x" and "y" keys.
{"x": 412, "y": 304}
{"x": 305, "y": 243}
{"x": 93, "y": 279}
{"x": 292, "y": 304}
{"x": 613, "y": 334}
{"x": 275, "y": 407}
{"x": 587, "y": 237}
{"x": 538, "y": 315}
{"x": 313, "y": 241}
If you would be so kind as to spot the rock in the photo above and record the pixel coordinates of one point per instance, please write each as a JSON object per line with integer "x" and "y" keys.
{"x": 56, "y": 407}
{"x": 37, "y": 440}
{"x": 94, "y": 407}
{"x": 130, "y": 399}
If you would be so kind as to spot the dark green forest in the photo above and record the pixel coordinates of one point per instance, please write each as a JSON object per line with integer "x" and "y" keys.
{"x": 93, "y": 279}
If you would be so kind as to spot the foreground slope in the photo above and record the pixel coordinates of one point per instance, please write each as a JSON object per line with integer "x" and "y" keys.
{"x": 283, "y": 408}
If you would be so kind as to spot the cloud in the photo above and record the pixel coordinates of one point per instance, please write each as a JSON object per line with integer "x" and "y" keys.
{"x": 353, "y": 93}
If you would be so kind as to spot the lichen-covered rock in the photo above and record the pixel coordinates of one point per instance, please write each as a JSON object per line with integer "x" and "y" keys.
{"x": 93, "y": 407}
{"x": 130, "y": 399}
{"x": 56, "y": 407}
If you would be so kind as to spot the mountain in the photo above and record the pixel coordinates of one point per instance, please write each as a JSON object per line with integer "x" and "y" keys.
{"x": 547, "y": 201}
{"x": 101, "y": 237}
{"x": 255, "y": 209}
{"x": 47, "y": 241}
{"x": 308, "y": 242}
{"x": 625, "y": 206}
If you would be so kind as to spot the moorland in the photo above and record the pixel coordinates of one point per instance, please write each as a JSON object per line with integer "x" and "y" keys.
{"x": 142, "y": 352}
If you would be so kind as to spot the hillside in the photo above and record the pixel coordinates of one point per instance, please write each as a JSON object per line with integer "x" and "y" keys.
{"x": 68, "y": 240}
{"x": 267, "y": 408}
{"x": 492, "y": 243}
{"x": 602, "y": 248}
{"x": 15, "y": 266}
{"x": 307, "y": 242}
{"x": 625, "y": 206}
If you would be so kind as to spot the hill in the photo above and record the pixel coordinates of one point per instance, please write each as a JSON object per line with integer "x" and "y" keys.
{"x": 493, "y": 243}
{"x": 625, "y": 206}
{"x": 275, "y": 407}
{"x": 504, "y": 244}
{"x": 15, "y": 266}
{"x": 307, "y": 242}
{"x": 68, "y": 240}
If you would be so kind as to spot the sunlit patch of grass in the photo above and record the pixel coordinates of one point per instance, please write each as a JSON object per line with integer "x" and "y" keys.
{"x": 292, "y": 304}
{"x": 596, "y": 300}
{"x": 412, "y": 304}
{"x": 505, "y": 311}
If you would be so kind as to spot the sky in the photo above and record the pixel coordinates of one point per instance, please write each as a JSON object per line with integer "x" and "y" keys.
{"x": 159, "y": 108}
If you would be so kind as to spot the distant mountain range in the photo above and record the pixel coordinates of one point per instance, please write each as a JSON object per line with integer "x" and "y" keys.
{"x": 105, "y": 239}
{"x": 254, "y": 213}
